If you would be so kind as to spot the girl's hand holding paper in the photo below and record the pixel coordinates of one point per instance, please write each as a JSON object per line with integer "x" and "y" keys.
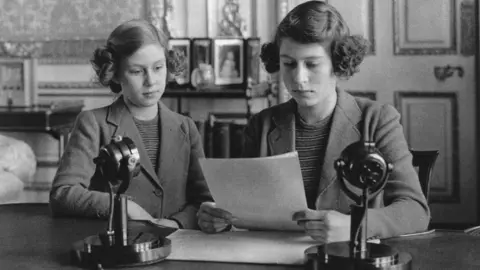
{"x": 324, "y": 225}
{"x": 212, "y": 219}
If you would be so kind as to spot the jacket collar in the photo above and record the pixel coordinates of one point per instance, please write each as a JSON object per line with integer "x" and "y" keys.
{"x": 171, "y": 136}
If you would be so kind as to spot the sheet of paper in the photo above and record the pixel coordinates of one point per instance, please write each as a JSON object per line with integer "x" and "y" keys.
{"x": 263, "y": 193}
{"x": 284, "y": 248}
{"x": 262, "y": 247}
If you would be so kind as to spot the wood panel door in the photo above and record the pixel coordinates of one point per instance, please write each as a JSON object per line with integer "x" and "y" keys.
{"x": 423, "y": 63}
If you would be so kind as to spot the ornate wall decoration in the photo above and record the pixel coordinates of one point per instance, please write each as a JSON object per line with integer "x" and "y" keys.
{"x": 160, "y": 14}
{"x": 21, "y": 49}
{"x": 232, "y": 24}
{"x": 230, "y": 18}
{"x": 58, "y": 31}
{"x": 26, "y": 20}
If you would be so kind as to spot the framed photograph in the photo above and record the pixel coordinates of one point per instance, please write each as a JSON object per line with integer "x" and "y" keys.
{"x": 15, "y": 83}
{"x": 181, "y": 45}
{"x": 228, "y": 61}
{"x": 253, "y": 60}
{"x": 201, "y": 52}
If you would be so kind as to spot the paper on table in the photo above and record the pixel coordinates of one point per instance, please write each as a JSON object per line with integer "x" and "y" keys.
{"x": 272, "y": 247}
{"x": 263, "y": 193}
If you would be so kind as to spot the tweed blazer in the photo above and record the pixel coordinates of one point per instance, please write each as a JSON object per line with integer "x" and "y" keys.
{"x": 401, "y": 207}
{"x": 175, "y": 190}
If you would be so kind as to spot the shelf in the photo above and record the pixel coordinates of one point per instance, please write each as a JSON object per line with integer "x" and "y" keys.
{"x": 226, "y": 93}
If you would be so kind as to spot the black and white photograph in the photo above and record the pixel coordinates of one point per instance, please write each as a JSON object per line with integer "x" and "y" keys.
{"x": 201, "y": 52}
{"x": 228, "y": 61}
{"x": 182, "y": 47}
{"x": 294, "y": 134}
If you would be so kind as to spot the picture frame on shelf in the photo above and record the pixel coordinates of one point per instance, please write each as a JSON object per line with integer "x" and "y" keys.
{"x": 252, "y": 52}
{"x": 201, "y": 76}
{"x": 16, "y": 87}
{"x": 183, "y": 46}
{"x": 229, "y": 62}
{"x": 201, "y": 51}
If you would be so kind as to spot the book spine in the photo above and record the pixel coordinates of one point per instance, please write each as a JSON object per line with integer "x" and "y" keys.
{"x": 221, "y": 140}
{"x": 236, "y": 140}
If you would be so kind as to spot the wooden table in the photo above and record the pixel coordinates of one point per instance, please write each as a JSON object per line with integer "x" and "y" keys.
{"x": 31, "y": 239}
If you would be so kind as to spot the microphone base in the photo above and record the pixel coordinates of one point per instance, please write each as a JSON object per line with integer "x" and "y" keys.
{"x": 141, "y": 248}
{"x": 337, "y": 256}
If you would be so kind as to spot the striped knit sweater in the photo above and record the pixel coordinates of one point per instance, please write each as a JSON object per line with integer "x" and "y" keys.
{"x": 151, "y": 137}
{"x": 311, "y": 143}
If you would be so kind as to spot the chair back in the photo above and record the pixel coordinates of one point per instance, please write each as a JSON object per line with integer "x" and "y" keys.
{"x": 424, "y": 160}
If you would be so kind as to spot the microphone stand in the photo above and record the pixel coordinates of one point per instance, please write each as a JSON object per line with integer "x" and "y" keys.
{"x": 117, "y": 246}
{"x": 362, "y": 166}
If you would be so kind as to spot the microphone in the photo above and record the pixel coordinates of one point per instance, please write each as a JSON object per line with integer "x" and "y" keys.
{"x": 362, "y": 165}
{"x": 117, "y": 164}
{"x": 362, "y": 172}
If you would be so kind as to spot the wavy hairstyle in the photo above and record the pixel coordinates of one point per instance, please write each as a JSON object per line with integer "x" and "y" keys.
{"x": 318, "y": 22}
{"x": 124, "y": 41}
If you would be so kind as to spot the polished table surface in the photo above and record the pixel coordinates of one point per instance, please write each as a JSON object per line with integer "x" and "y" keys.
{"x": 31, "y": 239}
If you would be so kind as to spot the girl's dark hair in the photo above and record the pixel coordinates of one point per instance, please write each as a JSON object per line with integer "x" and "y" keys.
{"x": 124, "y": 41}
{"x": 318, "y": 22}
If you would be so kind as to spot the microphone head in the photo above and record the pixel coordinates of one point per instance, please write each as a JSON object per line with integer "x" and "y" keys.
{"x": 120, "y": 150}
{"x": 363, "y": 166}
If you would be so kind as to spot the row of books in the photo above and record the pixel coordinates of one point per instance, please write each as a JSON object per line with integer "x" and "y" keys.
{"x": 221, "y": 139}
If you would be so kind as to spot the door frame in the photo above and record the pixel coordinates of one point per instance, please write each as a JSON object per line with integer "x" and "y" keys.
{"x": 477, "y": 97}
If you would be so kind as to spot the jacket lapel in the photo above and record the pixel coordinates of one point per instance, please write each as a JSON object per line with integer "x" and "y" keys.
{"x": 282, "y": 138}
{"x": 119, "y": 116}
{"x": 343, "y": 132}
{"x": 172, "y": 138}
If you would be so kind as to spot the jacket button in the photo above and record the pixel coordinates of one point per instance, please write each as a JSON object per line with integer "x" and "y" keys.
{"x": 158, "y": 192}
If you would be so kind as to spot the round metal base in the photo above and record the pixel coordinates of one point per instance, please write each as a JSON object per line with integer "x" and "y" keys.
{"x": 337, "y": 256}
{"x": 140, "y": 249}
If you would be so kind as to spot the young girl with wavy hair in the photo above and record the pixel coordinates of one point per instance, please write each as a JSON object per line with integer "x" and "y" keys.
{"x": 312, "y": 50}
{"x": 135, "y": 64}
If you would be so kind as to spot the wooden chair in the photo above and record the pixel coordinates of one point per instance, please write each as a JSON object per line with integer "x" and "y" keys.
{"x": 425, "y": 161}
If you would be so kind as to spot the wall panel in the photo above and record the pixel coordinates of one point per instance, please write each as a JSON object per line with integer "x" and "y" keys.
{"x": 430, "y": 122}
